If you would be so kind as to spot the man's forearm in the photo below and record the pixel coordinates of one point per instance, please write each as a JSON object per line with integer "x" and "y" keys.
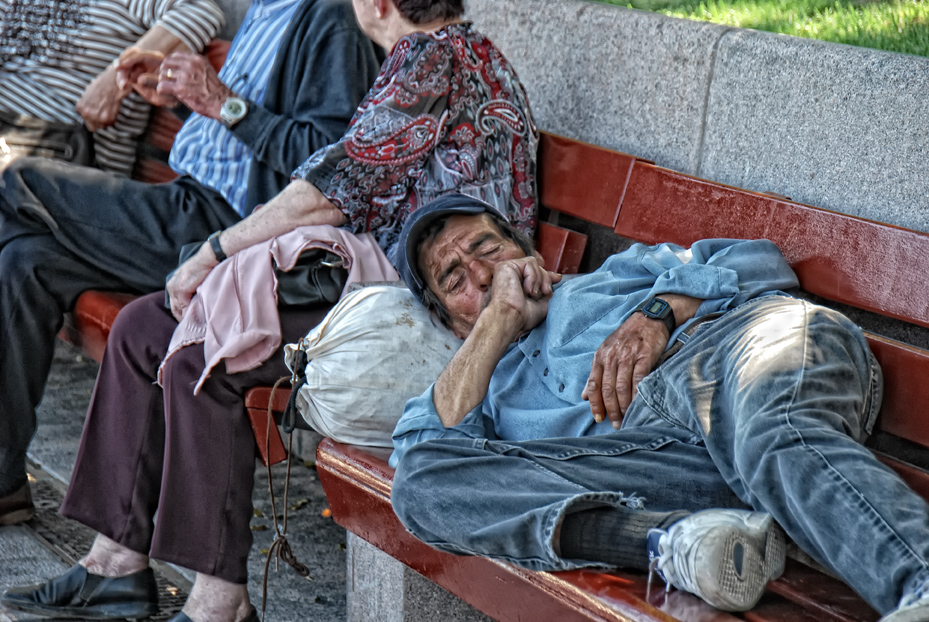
{"x": 464, "y": 382}
{"x": 160, "y": 39}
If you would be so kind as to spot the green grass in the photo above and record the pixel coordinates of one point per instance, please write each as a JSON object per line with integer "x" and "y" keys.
{"x": 895, "y": 25}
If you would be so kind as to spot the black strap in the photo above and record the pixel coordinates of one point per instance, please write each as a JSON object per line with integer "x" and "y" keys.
{"x": 289, "y": 420}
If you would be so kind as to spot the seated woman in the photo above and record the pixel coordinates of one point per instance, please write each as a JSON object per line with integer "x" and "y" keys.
{"x": 447, "y": 113}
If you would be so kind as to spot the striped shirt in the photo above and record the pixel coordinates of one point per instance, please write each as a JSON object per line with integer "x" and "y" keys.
{"x": 204, "y": 148}
{"x": 50, "y": 50}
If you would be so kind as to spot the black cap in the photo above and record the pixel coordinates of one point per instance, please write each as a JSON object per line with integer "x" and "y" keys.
{"x": 419, "y": 221}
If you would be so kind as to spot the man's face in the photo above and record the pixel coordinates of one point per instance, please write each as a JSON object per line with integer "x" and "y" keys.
{"x": 458, "y": 265}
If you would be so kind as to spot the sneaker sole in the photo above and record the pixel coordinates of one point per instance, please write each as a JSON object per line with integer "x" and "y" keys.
{"x": 744, "y": 568}
{"x": 775, "y": 552}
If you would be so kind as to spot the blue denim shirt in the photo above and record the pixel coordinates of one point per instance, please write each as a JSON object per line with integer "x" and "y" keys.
{"x": 535, "y": 391}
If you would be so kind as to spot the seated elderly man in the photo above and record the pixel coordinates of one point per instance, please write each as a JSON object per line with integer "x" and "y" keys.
{"x": 58, "y": 75}
{"x": 447, "y": 112}
{"x": 580, "y": 427}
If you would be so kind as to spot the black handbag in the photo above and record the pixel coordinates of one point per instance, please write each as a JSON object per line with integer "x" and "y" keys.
{"x": 27, "y": 136}
{"x": 318, "y": 277}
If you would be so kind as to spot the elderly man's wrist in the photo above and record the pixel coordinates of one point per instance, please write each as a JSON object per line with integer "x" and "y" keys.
{"x": 504, "y": 322}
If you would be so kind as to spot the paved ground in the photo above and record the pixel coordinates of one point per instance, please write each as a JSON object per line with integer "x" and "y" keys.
{"x": 49, "y": 544}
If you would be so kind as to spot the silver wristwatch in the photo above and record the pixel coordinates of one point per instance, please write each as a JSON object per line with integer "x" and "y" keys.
{"x": 234, "y": 110}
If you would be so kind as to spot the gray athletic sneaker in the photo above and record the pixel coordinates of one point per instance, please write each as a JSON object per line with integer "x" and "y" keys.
{"x": 726, "y": 557}
{"x": 913, "y": 607}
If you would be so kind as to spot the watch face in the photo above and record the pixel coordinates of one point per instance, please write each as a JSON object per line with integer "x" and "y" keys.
{"x": 655, "y": 307}
{"x": 234, "y": 107}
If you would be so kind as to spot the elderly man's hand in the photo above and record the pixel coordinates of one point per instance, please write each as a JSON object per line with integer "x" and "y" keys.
{"x": 99, "y": 103}
{"x": 520, "y": 293}
{"x": 627, "y": 356}
{"x": 138, "y": 69}
{"x": 621, "y": 362}
{"x": 191, "y": 80}
{"x": 187, "y": 278}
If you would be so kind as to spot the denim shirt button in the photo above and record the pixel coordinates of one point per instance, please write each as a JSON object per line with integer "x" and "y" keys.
{"x": 536, "y": 353}
{"x": 545, "y": 373}
{"x": 561, "y": 387}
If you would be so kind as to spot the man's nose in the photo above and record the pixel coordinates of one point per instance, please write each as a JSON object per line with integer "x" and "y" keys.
{"x": 483, "y": 273}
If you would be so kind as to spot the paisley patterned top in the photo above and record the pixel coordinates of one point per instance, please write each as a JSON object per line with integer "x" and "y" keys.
{"x": 446, "y": 113}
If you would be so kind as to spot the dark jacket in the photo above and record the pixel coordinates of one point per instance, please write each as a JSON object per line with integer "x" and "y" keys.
{"x": 323, "y": 69}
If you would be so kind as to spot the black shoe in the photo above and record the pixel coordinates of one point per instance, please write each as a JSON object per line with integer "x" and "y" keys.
{"x": 17, "y": 507}
{"x": 180, "y": 616}
{"x": 80, "y": 594}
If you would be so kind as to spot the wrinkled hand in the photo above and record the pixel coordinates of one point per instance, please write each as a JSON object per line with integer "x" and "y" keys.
{"x": 621, "y": 362}
{"x": 187, "y": 278}
{"x": 191, "y": 80}
{"x": 99, "y": 103}
{"x": 138, "y": 69}
{"x": 520, "y": 293}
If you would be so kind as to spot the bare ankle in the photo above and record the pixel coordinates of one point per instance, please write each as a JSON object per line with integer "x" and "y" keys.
{"x": 216, "y": 600}
{"x": 108, "y": 558}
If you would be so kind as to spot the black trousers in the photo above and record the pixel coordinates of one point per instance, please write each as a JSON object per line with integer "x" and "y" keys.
{"x": 65, "y": 229}
{"x": 190, "y": 457}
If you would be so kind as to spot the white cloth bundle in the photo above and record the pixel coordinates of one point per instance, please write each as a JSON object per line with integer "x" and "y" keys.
{"x": 375, "y": 350}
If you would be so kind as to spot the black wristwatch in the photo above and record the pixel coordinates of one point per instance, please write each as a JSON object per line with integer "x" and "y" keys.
{"x": 213, "y": 241}
{"x": 658, "y": 309}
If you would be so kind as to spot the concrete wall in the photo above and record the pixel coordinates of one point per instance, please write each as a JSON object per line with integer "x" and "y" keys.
{"x": 829, "y": 125}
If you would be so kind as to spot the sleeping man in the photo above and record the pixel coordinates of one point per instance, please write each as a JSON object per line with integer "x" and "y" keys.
{"x": 596, "y": 422}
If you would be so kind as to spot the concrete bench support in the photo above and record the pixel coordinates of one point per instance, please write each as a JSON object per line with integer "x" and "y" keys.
{"x": 381, "y": 589}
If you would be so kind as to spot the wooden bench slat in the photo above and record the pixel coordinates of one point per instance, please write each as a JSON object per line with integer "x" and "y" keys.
{"x": 582, "y": 180}
{"x": 906, "y": 370}
{"x": 88, "y": 325}
{"x": 561, "y": 248}
{"x": 828, "y": 250}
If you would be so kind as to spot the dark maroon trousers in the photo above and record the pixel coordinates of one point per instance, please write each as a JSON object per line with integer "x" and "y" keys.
{"x": 191, "y": 458}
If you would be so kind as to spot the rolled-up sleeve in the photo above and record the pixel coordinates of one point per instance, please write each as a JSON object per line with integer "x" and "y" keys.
{"x": 195, "y": 22}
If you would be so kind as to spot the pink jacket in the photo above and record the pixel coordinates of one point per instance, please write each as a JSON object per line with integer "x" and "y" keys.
{"x": 234, "y": 313}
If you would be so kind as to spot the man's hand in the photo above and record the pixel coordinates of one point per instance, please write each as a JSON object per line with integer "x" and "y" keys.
{"x": 138, "y": 69}
{"x": 621, "y": 362}
{"x": 99, "y": 104}
{"x": 191, "y": 80}
{"x": 520, "y": 293}
{"x": 187, "y": 278}
{"x": 627, "y": 356}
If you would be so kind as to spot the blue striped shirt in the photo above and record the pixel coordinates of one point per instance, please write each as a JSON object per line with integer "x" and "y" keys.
{"x": 203, "y": 148}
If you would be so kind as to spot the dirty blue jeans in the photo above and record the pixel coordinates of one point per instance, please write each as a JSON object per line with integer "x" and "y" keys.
{"x": 764, "y": 407}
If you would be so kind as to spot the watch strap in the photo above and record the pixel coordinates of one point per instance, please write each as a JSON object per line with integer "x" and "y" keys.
{"x": 213, "y": 241}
